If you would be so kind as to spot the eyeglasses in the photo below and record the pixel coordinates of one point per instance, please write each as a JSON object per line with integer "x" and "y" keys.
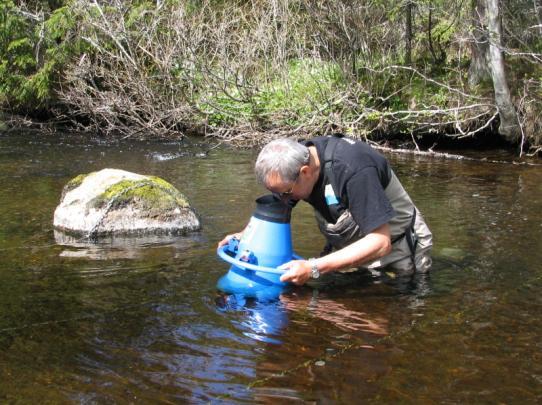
{"x": 287, "y": 194}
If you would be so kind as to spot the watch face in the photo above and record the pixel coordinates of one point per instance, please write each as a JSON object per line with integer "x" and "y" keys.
{"x": 315, "y": 273}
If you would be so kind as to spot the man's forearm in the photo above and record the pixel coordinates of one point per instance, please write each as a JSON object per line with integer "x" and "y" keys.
{"x": 373, "y": 246}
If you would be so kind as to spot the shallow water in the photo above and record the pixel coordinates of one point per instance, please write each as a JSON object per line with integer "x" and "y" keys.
{"x": 141, "y": 320}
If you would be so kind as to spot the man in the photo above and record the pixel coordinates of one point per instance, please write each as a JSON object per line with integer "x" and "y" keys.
{"x": 361, "y": 207}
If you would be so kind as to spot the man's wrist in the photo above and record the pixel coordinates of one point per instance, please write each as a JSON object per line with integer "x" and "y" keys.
{"x": 314, "y": 271}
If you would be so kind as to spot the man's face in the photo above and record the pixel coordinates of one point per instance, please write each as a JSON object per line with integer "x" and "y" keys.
{"x": 296, "y": 190}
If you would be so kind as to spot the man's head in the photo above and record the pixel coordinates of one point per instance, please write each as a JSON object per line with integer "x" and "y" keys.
{"x": 283, "y": 167}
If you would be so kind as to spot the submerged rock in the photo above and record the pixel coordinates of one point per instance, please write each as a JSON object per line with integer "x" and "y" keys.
{"x": 114, "y": 201}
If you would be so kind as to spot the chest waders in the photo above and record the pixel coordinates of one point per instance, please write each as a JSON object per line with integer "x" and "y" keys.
{"x": 338, "y": 211}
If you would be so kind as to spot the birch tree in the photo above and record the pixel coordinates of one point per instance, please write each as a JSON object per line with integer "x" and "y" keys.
{"x": 509, "y": 125}
{"x": 479, "y": 68}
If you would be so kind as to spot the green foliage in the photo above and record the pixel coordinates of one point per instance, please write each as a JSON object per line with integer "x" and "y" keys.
{"x": 307, "y": 88}
{"x": 228, "y": 64}
{"x": 224, "y": 109}
{"x": 34, "y": 51}
{"x": 21, "y": 48}
{"x": 138, "y": 15}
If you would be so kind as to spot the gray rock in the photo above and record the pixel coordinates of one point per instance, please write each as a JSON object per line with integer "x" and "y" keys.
{"x": 114, "y": 201}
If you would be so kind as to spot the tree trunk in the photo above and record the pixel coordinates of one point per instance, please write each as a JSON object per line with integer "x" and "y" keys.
{"x": 509, "y": 124}
{"x": 538, "y": 12}
{"x": 478, "y": 69}
{"x": 408, "y": 32}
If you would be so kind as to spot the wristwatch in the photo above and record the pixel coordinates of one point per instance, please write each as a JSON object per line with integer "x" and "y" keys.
{"x": 315, "y": 273}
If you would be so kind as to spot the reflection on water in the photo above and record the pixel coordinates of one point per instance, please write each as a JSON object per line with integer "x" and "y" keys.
{"x": 121, "y": 246}
{"x": 265, "y": 320}
{"x": 260, "y": 320}
{"x": 334, "y": 312}
{"x": 140, "y": 320}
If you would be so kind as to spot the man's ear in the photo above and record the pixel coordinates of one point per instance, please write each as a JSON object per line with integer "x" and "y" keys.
{"x": 305, "y": 170}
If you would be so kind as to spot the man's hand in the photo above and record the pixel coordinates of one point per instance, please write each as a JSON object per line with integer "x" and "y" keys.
{"x": 226, "y": 240}
{"x": 298, "y": 272}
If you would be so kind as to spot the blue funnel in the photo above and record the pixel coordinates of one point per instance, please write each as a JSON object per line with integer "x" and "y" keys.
{"x": 266, "y": 244}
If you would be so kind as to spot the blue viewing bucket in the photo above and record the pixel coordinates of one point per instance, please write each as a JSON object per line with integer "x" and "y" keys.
{"x": 266, "y": 244}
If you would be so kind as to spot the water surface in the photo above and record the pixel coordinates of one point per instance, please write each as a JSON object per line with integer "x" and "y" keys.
{"x": 141, "y": 320}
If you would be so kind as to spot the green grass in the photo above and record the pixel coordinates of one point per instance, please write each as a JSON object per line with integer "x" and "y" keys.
{"x": 305, "y": 88}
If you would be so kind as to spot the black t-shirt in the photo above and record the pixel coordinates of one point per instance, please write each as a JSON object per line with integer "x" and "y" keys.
{"x": 360, "y": 176}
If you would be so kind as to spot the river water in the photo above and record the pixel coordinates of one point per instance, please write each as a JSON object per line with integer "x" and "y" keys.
{"x": 140, "y": 320}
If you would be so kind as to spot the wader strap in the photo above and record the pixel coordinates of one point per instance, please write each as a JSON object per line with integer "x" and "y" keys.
{"x": 334, "y": 209}
{"x": 328, "y": 174}
{"x": 328, "y": 155}
{"x": 411, "y": 239}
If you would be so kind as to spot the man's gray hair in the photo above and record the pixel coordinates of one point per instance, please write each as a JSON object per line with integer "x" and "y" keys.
{"x": 283, "y": 157}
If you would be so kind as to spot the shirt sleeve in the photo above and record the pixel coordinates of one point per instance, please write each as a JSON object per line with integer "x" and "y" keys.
{"x": 367, "y": 201}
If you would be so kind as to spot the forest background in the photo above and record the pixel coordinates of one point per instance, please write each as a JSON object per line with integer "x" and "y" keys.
{"x": 248, "y": 70}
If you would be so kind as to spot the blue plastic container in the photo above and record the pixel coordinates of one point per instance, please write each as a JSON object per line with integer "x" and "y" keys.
{"x": 266, "y": 244}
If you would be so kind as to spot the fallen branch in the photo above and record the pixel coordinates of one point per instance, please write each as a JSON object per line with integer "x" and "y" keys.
{"x": 444, "y": 155}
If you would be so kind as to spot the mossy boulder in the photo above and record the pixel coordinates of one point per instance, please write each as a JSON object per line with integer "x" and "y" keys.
{"x": 114, "y": 201}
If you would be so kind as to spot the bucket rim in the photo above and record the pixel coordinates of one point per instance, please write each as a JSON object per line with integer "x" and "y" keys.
{"x": 271, "y": 208}
{"x": 221, "y": 251}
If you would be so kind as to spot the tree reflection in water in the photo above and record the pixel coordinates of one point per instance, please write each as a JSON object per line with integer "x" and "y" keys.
{"x": 334, "y": 312}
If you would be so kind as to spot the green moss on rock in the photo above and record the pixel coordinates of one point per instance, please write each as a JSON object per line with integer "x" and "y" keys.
{"x": 74, "y": 183}
{"x": 149, "y": 193}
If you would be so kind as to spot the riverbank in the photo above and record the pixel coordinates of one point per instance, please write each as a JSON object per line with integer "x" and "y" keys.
{"x": 244, "y": 72}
